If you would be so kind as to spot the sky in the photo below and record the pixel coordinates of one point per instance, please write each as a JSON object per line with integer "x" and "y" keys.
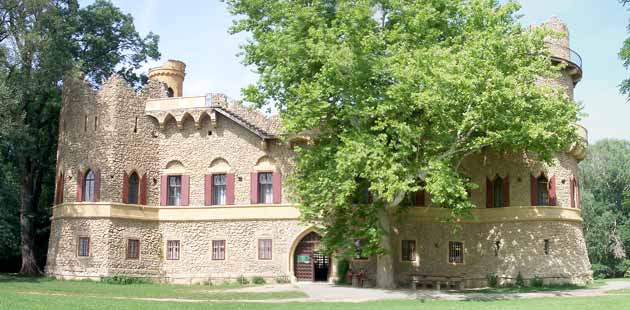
{"x": 196, "y": 32}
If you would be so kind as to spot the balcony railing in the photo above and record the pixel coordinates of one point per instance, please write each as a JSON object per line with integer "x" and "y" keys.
{"x": 565, "y": 53}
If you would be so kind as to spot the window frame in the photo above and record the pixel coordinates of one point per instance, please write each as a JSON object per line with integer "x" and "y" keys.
{"x": 128, "y": 252}
{"x": 260, "y": 249}
{"x": 169, "y": 248}
{"x": 214, "y": 186}
{"x": 178, "y": 202}
{"x": 89, "y": 246}
{"x": 88, "y": 193}
{"x": 414, "y": 254}
{"x": 497, "y": 192}
{"x": 260, "y": 199}
{"x": 224, "y": 254}
{"x": 130, "y": 193}
{"x": 540, "y": 190}
{"x": 453, "y": 261}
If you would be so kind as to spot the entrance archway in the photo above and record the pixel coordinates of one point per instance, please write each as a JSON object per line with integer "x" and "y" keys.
{"x": 308, "y": 263}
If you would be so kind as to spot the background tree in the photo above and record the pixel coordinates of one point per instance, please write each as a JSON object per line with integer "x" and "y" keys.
{"x": 393, "y": 91}
{"x": 624, "y": 55}
{"x": 39, "y": 42}
{"x": 605, "y": 181}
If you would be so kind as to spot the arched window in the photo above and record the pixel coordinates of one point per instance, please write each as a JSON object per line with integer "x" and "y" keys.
{"x": 542, "y": 194}
{"x": 497, "y": 192}
{"x": 132, "y": 194}
{"x": 170, "y": 92}
{"x": 88, "y": 186}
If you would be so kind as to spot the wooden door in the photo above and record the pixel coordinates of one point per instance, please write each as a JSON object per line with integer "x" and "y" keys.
{"x": 303, "y": 259}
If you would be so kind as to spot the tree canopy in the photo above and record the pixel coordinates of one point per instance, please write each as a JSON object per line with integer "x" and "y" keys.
{"x": 39, "y": 42}
{"x": 393, "y": 91}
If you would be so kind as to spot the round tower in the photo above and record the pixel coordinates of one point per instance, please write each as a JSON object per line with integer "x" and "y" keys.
{"x": 171, "y": 73}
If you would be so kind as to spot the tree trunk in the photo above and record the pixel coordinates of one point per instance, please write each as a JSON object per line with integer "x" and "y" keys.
{"x": 385, "y": 262}
{"x": 29, "y": 199}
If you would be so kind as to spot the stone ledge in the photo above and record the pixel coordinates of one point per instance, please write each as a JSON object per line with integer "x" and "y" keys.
{"x": 290, "y": 212}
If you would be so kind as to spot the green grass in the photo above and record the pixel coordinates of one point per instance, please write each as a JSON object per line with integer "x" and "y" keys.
{"x": 546, "y": 288}
{"x": 49, "y": 286}
{"x": 38, "y": 293}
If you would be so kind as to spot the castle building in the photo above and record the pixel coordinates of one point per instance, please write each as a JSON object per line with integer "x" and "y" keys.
{"x": 192, "y": 189}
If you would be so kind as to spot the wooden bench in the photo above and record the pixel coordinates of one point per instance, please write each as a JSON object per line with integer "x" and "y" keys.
{"x": 437, "y": 281}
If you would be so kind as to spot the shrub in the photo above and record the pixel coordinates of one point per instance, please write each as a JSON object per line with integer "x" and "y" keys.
{"x": 536, "y": 281}
{"x": 124, "y": 280}
{"x": 624, "y": 268}
{"x": 258, "y": 280}
{"x": 342, "y": 269}
{"x": 282, "y": 279}
{"x": 242, "y": 280}
{"x": 600, "y": 271}
{"x": 493, "y": 280}
{"x": 520, "y": 281}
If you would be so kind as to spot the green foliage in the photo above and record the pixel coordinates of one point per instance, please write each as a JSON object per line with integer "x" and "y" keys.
{"x": 605, "y": 202}
{"x": 520, "y": 281}
{"x": 342, "y": 269}
{"x": 492, "y": 279}
{"x": 624, "y": 268}
{"x": 258, "y": 280}
{"x": 124, "y": 280}
{"x": 536, "y": 282}
{"x": 242, "y": 280}
{"x": 283, "y": 279}
{"x": 600, "y": 271}
{"x": 392, "y": 91}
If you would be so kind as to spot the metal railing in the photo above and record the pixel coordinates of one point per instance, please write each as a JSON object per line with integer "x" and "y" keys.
{"x": 573, "y": 58}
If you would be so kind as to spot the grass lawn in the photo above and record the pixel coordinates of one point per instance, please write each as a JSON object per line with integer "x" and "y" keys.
{"x": 49, "y": 294}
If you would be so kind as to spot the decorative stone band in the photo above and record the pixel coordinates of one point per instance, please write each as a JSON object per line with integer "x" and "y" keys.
{"x": 290, "y": 212}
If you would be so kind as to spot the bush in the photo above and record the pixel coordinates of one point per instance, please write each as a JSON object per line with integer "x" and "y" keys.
{"x": 520, "y": 281}
{"x": 493, "y": 280}
{"x": 124, "y": 280}
{"x": 242, "y": 280}
{"x": 536, "y": 282}
{"x": 342, "y": 269}
{"x": 258, "y": 280}
{"x": 600, "y": 271}
{"x": 282, "y": 279}
{"x": 624, "y": 268}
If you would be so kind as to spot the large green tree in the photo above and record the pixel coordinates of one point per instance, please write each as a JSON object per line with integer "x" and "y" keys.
{"x": 391, "y": 91}
{"x": 40, "y": 40}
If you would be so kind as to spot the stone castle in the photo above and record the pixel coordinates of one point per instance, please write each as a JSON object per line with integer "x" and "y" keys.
{"x": 191, "y": 189}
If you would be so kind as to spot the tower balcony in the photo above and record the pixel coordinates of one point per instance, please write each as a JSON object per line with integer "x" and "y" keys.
{"x": 561, "y": 54}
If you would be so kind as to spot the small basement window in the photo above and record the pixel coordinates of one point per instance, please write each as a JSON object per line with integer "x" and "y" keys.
{"x": 455, "y": 252}
{"x": 172, "y": 249}
{"x": 84, "y": 247}
{"x": 547, "y": 247}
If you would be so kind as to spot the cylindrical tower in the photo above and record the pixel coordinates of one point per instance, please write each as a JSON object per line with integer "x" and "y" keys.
{"x": 171, "y": 73}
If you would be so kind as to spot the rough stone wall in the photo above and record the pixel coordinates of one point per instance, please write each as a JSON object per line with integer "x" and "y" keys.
{"x": 109, "y": 241}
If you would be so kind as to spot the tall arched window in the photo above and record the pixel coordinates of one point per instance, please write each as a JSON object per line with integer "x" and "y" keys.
{"x": 542, "y": 194}
{"x": 88, "y": 186}
{"x": 497, "y": 192}
{"x": 170, "y": 92}
{"x": 132, "y": 194}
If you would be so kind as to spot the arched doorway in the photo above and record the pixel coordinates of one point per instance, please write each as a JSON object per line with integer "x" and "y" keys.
{"x": 308, "y": 263}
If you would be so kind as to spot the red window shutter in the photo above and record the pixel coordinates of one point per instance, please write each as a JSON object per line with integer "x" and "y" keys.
{"x": 163, "y": 189}
{"x": 553, "y": 201}
{"x": 420, "y": 198}
{"x": 143, "y": 189}
{"x": 572, "y": 191}
{"x": 533, "y": 191}
{"x": 277, "y": 187}
{"x": 80, "y": 186}
{"x": 125, "y": 189}
{"x": 577, "y": 188}
{"x": 253, "y": 191}
{"x": 489, "y": 194}
{"x": 229, "y": 179}
{"x": 185, "y": 189}
{"x": 506, "y": 191}
{"x": 97, "y": 185}
{"x": 207, "y": 185}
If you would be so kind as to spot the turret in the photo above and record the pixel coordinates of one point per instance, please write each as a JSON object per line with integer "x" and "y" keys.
{"x": 172, "y": 74}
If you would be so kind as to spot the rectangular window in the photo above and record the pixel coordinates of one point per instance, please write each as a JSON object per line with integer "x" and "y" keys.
{"x": 455, "y": 252}
{"x": 408, "y": 250}
{"x": 133, "y": 248}
{"x": 265, "y": 187}
{"x": 172, "y": 249}
{"x": 219, "y": 189}
{"x": 358, "y": 249}
{"x": 218, "y": 249}
{"x": 264, "y": 249}
{"x": 84, "y": 246}
{"x": 546, "y": 247}
{"x": 174, "y": 190}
